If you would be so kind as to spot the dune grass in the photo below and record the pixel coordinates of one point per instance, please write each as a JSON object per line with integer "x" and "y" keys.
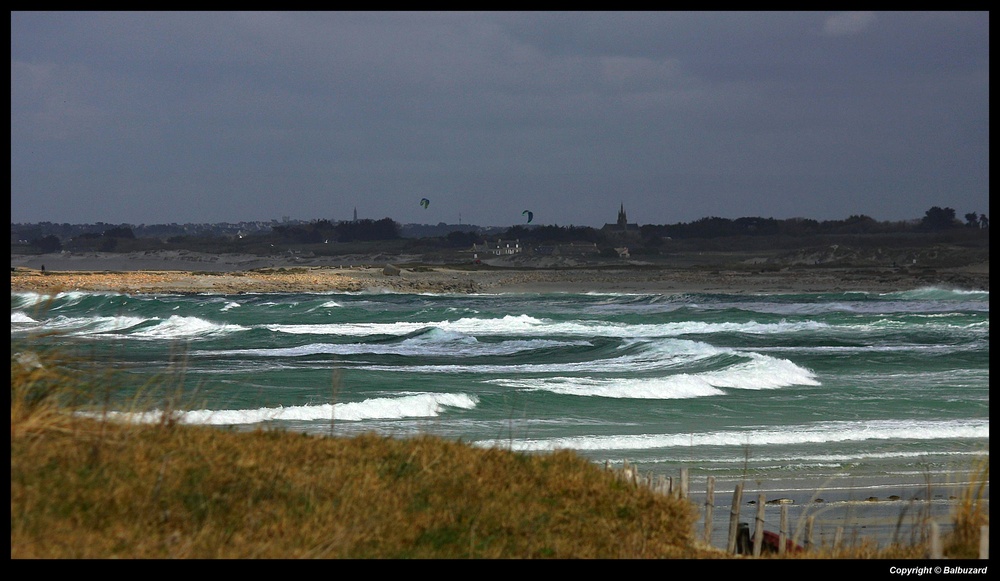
{"x": 86, "y": 487}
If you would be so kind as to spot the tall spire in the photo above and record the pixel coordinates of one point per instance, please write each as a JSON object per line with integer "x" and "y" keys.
{"x": 622, "y": 220}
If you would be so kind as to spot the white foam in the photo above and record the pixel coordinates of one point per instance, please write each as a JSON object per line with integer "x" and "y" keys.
{"x": 819, "y": 433}
{"x": 178, "y": 327}
{"x": 760, "y": 372}
{"x": 524, "y": 325}
{"x": 443, "y": 344}
{"x": 408, "y": 406}
{"x": 84, "y": 326}
{"x": 19, "y": 317}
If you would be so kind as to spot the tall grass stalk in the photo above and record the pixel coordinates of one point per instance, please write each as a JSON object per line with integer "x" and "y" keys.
{"x": 971, "y": 514}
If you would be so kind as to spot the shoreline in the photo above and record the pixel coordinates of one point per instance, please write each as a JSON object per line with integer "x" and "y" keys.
{"x": 141, "y": 273}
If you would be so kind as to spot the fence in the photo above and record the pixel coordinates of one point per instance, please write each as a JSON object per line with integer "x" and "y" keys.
{"x": 740, "y": 541}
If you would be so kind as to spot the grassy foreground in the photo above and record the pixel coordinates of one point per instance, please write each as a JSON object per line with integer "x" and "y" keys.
{"x": 84, "y": 488}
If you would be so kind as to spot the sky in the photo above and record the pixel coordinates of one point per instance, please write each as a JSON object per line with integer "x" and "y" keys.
{"x": 200, "y": 117}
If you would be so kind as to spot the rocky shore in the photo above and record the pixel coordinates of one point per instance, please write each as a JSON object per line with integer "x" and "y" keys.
{"x": 320, "y": 279}
{"x": 132, "y": 274}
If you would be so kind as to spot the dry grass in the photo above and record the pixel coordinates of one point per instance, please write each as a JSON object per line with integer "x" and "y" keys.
{"x": 85, "y": 488}
{"x": 970, "y": 515}
{"x": 204, "y": 493}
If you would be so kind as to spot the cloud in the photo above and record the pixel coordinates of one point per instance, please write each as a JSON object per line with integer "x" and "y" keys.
{"x": 50, "y": 102}
{"x": 848, "y": 23}
{"x": 680, "y": 115}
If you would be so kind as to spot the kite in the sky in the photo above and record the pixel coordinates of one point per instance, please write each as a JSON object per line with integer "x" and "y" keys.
{"x": 529, "y": 214}
{"x": 425, "y": 202}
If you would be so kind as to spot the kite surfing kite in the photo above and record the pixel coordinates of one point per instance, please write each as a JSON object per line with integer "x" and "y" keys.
{"x": 425, "y": 202}
{"x": 529, "y": 214}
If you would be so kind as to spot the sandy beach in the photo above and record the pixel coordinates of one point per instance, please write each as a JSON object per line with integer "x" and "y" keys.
{"x": 184, "y": 272}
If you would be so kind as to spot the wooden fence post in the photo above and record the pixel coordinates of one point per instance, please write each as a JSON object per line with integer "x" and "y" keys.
{"x": 936, "y": 550}
{"x": 709, "y": 508}
{"x": 810, "y": 524}
{"x": 734, "y": 517}
{"x": 783, "y": 530}
{"x": 684, "y": 483}
{"x": 630, "y": 473}
{"x": 661, "y": 485}
{"x": 758, "y": 530}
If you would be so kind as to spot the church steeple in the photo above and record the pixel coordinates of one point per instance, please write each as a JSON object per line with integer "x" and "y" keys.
{"x": 621, "y": 227}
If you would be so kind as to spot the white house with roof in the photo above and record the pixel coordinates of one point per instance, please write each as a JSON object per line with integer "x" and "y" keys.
{"x": 498, "y": 248}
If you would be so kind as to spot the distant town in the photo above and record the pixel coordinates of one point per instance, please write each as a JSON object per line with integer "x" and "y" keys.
{"x": 323, "y": 236}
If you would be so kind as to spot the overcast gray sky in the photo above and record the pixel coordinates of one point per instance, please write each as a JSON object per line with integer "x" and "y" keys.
{"x": 149, "y": 118}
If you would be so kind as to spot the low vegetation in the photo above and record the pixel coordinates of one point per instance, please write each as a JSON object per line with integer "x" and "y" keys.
{"x": 323, "y": 237}
{"x": 86, "y": 488}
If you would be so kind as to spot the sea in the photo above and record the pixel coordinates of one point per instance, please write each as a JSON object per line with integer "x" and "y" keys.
{"x": 862, "y": 414}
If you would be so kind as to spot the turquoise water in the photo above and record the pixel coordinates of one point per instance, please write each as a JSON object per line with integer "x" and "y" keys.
{"x": 795, "y": 395}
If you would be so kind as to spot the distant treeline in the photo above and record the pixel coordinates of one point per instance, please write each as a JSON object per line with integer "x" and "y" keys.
{"x": 935, "y": 219}
{"x": 259, "y": 236}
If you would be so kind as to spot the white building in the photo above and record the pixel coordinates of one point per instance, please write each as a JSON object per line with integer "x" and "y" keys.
{"x": 498, "y": 248}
